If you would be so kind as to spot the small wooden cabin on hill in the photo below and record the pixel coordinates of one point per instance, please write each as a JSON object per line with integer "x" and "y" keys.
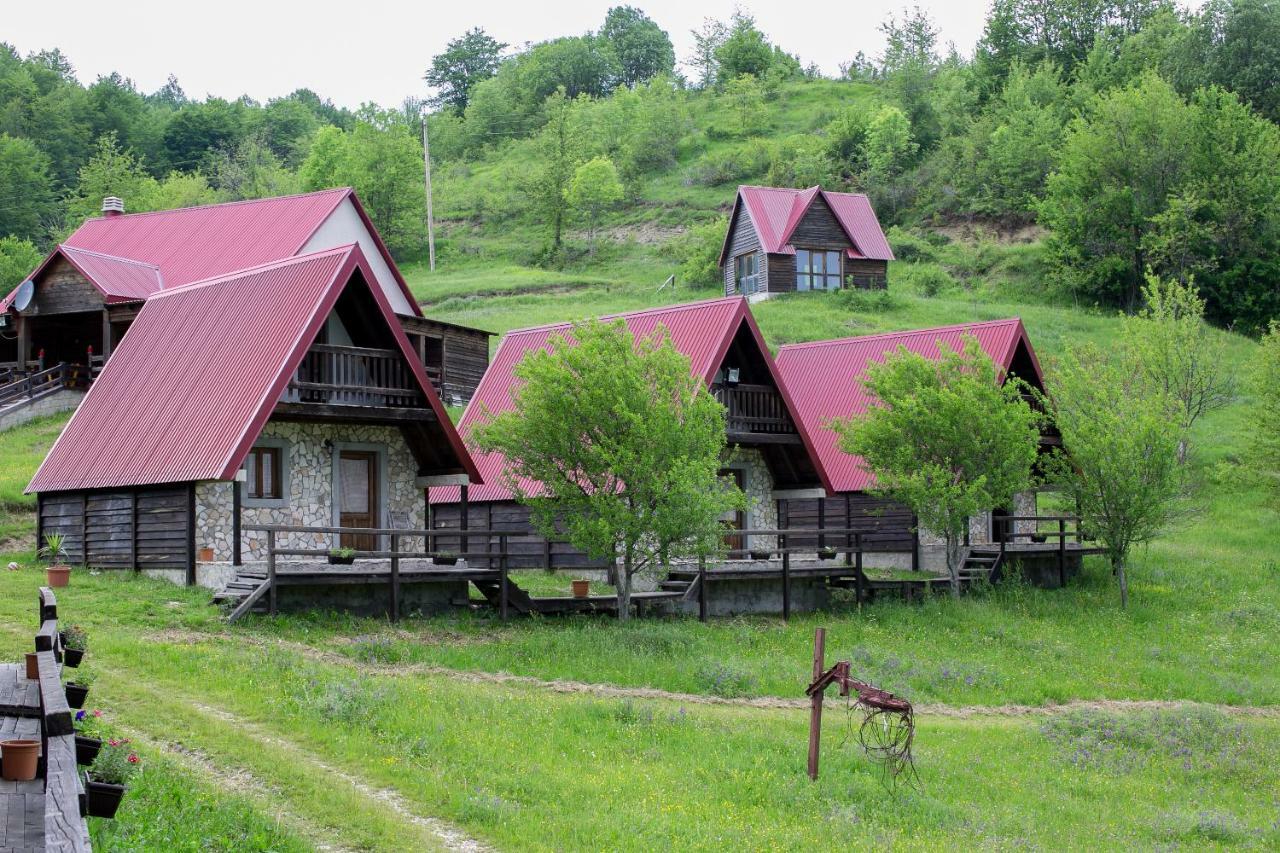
{"x": 787, "y": 240}
{"x": 773, "y": 452}
{"x": 288, "y": 393}
{"x": 77, "y": 305}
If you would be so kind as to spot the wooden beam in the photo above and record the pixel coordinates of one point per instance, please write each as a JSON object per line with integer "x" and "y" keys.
{"x": 237, "y": 510}
{"x": 191, "y": 534}
{"x": 351, "y": 414}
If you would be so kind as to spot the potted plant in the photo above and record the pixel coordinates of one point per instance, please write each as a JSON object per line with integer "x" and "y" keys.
{"x": 445, "y": 558}
{"x": 205, "y": 555}
{"x": 760, "y": 554}
{"x": 827, "y": 553}
{"x": 78, "y": 690}
{"x": 89, "y": 733}
{"x": 74, "y": 642}
{"x": 33, "y": 666}
{"x": 342, "y": 556}
{"x": 581, "y": 588}
{"x": 107, "y": 778}
{"x": 19, "y": 759}
{"x": 55, "y": 549}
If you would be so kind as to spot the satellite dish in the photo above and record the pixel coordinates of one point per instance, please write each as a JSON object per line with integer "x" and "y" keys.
{"x": 26, "y": 292}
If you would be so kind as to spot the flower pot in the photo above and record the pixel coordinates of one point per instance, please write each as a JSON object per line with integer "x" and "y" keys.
{"x": 104, "y": 798}
{"x": 72, "y": 657}
{"x": 58, "y": 576}
{"x": 445, "y": 561}
{"x": 33, "y": 666}
{"x": 205, "y": 555}
{"x": 19, "y": 759}
{"x": 87, "y": 749}
{"x": 827, "y": 554}
{"x": 76, "y": 694}
{"x": 336, "y": 560}
{"x": 761, "y": 555}
{"x": 581, "y": 589}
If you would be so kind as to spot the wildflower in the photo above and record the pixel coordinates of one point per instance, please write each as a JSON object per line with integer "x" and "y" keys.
{"x": 79, "y": 715}
{"x": 112, "y": 742}
{"x": 97, "y": 712}
{"x": 133, "y": 758}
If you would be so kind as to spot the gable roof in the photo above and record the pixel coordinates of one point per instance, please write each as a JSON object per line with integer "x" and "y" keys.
{"x": 701, "y": 331}
{"x": 197, "y": 243}
{"x": 774, "y": 213}
{"x": 825, "y": 380}
{"x": 190, "y": 387}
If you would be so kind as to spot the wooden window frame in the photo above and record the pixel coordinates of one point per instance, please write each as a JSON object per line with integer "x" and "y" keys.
{"x": 825, "y": 277}
{"x": 277, "y": 452}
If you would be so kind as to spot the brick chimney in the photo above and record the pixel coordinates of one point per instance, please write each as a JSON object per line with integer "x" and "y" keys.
{"x": 112, "y": 206}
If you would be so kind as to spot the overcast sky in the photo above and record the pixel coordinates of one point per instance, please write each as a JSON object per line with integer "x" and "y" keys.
{"x": 377, "y": 50}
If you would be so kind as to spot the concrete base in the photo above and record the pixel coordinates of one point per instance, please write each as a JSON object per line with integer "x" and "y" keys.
{"x": 65, "y": 400}
{"x": 762, "y": 597}
{"x": 1041, "y": 568}
{"x": 373, "y": 599}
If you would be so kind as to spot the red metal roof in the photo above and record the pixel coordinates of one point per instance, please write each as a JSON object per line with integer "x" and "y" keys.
{"x": 825, "y": 380}
{"x": 701, "y": 331}
{"x": 119, "y": 279}
{"x": 188, "y": 390}
{"x": 776, "y": 211}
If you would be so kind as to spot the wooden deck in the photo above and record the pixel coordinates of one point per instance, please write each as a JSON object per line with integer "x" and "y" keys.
{"x": 19, "y": 697}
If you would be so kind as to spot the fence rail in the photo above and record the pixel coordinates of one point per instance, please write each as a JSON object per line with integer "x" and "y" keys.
{"x": 36, "y": 384}
{"x": 353, "y": 376}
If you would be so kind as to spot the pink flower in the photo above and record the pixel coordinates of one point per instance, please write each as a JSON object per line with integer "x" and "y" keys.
{"x": 112, "y": 742}
{"x": 133, "y": 758}
{"x": 97, "y": 712}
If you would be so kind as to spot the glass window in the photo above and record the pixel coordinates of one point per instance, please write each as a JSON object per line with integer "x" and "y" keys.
{"x": 263, "y": 469}
{"x": 817, "y": 270}
{"x": 746, "y": 273}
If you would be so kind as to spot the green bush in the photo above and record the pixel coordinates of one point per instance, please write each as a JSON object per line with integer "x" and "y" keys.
{"x": 910, "y": 247}
{"x": 926, "y": 279}
{"x": 731, "y": 165}
{"x": 877, "y": 301}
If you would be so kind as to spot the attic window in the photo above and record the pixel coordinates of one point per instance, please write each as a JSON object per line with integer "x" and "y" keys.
{"x": 817, "y": 269}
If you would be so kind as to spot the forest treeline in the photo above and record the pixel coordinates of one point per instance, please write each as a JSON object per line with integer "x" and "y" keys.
{"x": 1139, "y": 135}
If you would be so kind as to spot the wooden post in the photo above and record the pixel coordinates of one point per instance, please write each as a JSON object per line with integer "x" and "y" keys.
{"x": 133, "y": 530}
{"x": 857, "y": 567}
{"x": 395, "y": 576}
{"x": 1062, "y": 552}
{"x": 106, "y": 338}
{"x": 815, "y": 702}
{"x": 502, "y": 577}
{"x": 786, "y": 579}
{"x": 237, "y": 557}
{"x": 702, "y": 589}
{"x": 271, "y": 571}
{"x": 191, "y": 534}
{"x": 822, "y": 523}
{"x": 915, "y": 543}
{"x": 463, "y": 520}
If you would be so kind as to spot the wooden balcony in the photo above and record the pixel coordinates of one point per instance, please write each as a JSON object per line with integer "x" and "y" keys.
{"x": 352, "y": 378}
{"x": 755, "y": 414}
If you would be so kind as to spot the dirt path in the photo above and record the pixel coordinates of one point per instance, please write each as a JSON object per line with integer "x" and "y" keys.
{"x": 612, "y": 691}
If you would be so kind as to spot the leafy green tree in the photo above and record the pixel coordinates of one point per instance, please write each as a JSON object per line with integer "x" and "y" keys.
{"x": 595, "y": 188}
{"x": 1264, "y": 413}
{"x": 558, "y": 150}
{"x": 746, "y": 96}
{"x": 18, "y": 258}
{"x": 801, "y": 161}
{"x": 170, "y": 95}
{"x": 324, "y": 166}
{"x": 467, "y": 60}
{"x": 946, "y": 437}
{"x": 744, "y": 51}
{"x": 846, "y": 138}
{"x": 698, "y": 251}
{"x": 627, "y": 445}
{"x": 581, "y": 65}
{"x": 1239, "y": 41}
{"x": 909, "y": 68}
{"x": 1121, "y": 438}
{"x": 111, "y": 171}
{"x": 28, "y": 189}
{"x": 252, "y": 170}
{"x": 641, "y": 48}
{"x": 287, "y": 128}
{"x": 707, "y": 41}
{"x": 200, "y": 128}
{"x": 180, "y": 189}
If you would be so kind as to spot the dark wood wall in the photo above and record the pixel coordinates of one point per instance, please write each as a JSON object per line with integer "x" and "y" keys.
{"x": 884, "y": 524}
{"x": 63, "y": 290}
{"x": 465, "y": 355}
{"x": 525, "y": 553}
{"x": 147, "y": 528}
{"x": 742, "y": 241}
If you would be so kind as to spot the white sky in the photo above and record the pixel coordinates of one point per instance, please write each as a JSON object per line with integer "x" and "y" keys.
{"x": 377, "y": 50}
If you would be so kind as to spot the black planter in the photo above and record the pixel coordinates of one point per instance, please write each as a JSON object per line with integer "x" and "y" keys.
{"x": 761, "y": 555}
{"x": 76, "y": 694}
{"x": 827, "y": 554}
{"x": 72, "y": 657}
{"x": 87, "y": 749}
{"x": 341, "y": 561}
{"x": 445, "y": 561}
{"x": 104, "y": 798}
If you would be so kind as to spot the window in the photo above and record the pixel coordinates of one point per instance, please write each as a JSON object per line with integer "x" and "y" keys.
{"x": 746, "y": 273}
{"x": 817, "y": 270}
{"x": 265, "y": 480}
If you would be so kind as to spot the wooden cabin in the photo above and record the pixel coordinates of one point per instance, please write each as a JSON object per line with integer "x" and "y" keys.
{"x": 825, "y": 380}
{"x": 772, "y": 457}
{"x": 285, "y": 394}
{"x": 788, "y": 240}
{"x": 77, "y": 305}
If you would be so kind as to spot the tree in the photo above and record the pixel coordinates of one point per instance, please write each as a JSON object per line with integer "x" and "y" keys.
{"x": 111, "y": 171}
{"x": 707, "y": 40}
{"x": 944, "y": 437}
{"x": 18, "y": 258}
{"x": 1240, "y": 44}
{"x": 28, "y": 200}
{"x": 252, "y": 170}
{"x": 1264, "y": 414}
{"x": 642, "y": 48}
{"x": 1179, "y": 353}
{"x": 467, "y": 60}
{"x": 747, "y": 97}
{"x": 626, "y": 445}
{"x": 558, "y": 146}
{"x": 889, "y": 144}
{"x": 594, "y": 188}
{"x": 698, "y": 251}
{"x": 744, "y": 51}
{"x": 1121, "y": 438}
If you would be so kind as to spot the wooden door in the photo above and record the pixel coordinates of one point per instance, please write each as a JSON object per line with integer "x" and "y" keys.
{"x": 358, "y": 496}
{"x": 736, "y": 520}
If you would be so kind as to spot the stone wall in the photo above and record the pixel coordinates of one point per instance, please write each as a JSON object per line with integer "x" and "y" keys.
{"x": 65, "y": 400}
{"x": 762, "y": 508}
{"x": 310, "y": 489}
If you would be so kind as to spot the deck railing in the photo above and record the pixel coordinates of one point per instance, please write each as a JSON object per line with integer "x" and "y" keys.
{"x": 39, "y": 383}
{"x": 353, "y": 376}
{"x": 753, "y": 408}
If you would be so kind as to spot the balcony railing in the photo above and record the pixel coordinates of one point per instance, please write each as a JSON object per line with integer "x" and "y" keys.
{"x": 353, "y": 376}
{"x": 753, "y": 408}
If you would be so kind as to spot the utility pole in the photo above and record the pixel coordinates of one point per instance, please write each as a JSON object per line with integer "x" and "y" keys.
{"x": 426, "y": 169}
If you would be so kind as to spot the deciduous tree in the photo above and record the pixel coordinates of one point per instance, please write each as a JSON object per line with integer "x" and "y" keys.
{"x": 642, "y": 48}
{"x": 467, "y": 60}
{"x": 1264, "y": 413}
{"x": 595, "y": 187}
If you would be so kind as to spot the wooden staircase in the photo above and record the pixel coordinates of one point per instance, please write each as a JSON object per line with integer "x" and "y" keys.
{"x": 982, "y": 564}
{"x": 518, "y": 600}
{"x": 244, "y": 594}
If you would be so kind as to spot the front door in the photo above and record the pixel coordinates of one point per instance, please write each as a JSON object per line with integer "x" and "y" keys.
{"x": 736, "y": 520}
{"x": 358, "y": 496}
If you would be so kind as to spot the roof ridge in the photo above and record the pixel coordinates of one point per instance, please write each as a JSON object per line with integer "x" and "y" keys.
{"x": 66, "y": 248}
{"x": 240, "y": 273}
{"x": 679, "y": 306}
{"x": 236, "y": 203}
{"x": 897, "y": 334}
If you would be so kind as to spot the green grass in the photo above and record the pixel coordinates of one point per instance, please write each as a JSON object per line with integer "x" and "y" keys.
{"x": 21, "y": 451}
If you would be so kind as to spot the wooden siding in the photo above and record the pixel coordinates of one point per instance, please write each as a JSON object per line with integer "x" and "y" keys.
{"x": 743, "y": 241}
{"x": 885, "y": 525}
{"x": 866, "y": 273}
{"x": 524, "y": 553}
{"x": 465, "y": 359}
{"x": 147, "y": 527}
{"x": 63, "y": 290}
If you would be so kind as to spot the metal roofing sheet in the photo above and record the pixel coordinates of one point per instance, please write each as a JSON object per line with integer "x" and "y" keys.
{"x": 776, "y": 211}
{"x": 119, "y": 279}
{"x": 825, "y": 380}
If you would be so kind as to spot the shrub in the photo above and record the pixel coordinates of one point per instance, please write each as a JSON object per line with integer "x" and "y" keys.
{"x": 732, "y": 165}
{"x": 722, "y": 679}
{"x": 698, "y": 251}
{"x": 910, "y": 247}
{"x": 927, "y": 279}
{"x": 876, "y": 301}
{"x": 74, "y": 637}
